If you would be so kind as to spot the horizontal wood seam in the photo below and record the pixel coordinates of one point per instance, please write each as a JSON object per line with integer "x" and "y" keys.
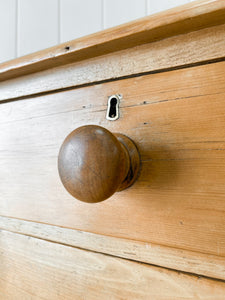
{"x": 113, "y": 255}
{"x": 77, "y": 230}
{"x": 102, "y": 110}
{"x": 103, "y": 253}
{"x": 192, "y": 65}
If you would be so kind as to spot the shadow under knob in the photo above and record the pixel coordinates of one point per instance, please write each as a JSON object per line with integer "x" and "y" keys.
{"x": 93, "y": 163}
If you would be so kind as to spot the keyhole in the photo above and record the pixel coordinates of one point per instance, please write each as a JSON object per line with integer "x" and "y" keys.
{"x": 113, "y": 108}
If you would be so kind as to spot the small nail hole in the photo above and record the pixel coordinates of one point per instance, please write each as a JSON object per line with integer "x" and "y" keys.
{"x": 67, "y": 48}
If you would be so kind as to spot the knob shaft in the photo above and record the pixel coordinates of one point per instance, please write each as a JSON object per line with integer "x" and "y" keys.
{"x": 93, "y": 163}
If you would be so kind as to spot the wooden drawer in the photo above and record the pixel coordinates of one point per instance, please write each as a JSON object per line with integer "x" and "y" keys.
{"x": 176, "y": 119}
{"x": 35, "y": 269}
{"x": 173, "y": 216}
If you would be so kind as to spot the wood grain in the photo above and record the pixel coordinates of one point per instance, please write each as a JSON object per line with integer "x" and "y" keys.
{"x": 192, "y": 48}
{"x": 36, "y": 269}
{"x": 202, "y": 264}
{"x": 183, "y": 19}
{"x": 176, "y": 119}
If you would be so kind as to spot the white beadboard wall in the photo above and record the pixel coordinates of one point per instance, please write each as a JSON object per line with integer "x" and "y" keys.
{"x": 27, "y": 26}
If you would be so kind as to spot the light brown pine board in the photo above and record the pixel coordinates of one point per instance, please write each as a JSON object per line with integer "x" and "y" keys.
{"x": 35, "y": 269}
{"x": 186, "y": 18}
{"x": 201, "y": 264}
{"x": 182, "y": 50}
{"x": 178, "y": 200}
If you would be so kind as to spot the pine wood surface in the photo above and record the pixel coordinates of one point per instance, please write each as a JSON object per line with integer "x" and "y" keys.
{"x": 35, "y": 269}
{"x": 186, "y": 18}
{"x": 176, "y": 120}
{"x": 178, "y": 259}
{"x": 54, "y": 247}
{"x": 196, "y": 47}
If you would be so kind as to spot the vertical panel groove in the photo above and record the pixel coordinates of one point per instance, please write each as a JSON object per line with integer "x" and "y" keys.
{"x": 37, "y": 25}
{"x": 80, "y": 18}
{"x": 59, "y": 22}
{"x": 7, "y": 30}
{"x": 146, "y": 7}
{"x": 102, "y": 7}
{"x": 119, "y": 12}
{"x": 16, "y": 29}
{"x": 150, "y": 7}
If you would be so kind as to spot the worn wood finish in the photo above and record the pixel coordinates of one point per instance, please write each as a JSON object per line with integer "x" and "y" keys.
{"x": 37, "y": 269}
{"x": 94, "y": 163}
{"x": 179, "y": 20}
{"x": 178, "y": 199}
{"x": 172, "y": 258}
{"x": 55, "y": 247}
{"x": 204, "y": 45}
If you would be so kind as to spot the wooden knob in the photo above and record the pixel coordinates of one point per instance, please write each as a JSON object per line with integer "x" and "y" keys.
{"x": 93, "y": 163}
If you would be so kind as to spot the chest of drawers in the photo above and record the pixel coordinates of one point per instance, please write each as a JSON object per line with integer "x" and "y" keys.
{"x": 161, "y": 238}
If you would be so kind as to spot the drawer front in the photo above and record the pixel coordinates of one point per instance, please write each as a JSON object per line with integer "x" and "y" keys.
{"x": 37, "y": 269}
{"x": 177, "y": 121}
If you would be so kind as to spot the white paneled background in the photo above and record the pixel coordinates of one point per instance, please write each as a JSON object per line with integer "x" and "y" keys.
{"x": 27, "y": 26}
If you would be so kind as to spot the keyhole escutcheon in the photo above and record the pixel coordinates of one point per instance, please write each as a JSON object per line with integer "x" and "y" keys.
{"x": 113, "y": 107}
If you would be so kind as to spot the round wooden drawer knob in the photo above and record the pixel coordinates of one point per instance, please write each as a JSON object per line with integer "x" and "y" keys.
{"x": 93, "y": 163}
